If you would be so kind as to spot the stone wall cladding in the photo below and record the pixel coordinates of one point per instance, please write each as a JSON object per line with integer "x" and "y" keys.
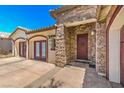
{"x": 60, "y": 50}
{"x": 71, "y": 38}
{"x": 68, "y": 44}
{"x": 66, "y": 38}
{"x": 100, "y": 48}
{"x": 66, "y": 41}
{"x": 78, "y": 14}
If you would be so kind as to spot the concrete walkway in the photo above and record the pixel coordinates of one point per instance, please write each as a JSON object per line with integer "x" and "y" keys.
{"x": 77, "y": 75}
{"x": 67, "y": 77}
{"x": 92, "y": 79}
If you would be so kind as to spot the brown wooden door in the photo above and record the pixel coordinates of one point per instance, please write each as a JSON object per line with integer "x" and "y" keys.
{"x": 122, "y": 56}
{"x": 22, "y": 49}
{"x": 40, "y": 51}
{"x": 82, "y": 46}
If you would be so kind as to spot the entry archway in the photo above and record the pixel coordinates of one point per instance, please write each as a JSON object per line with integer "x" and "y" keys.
{"x": 38, "y": 47}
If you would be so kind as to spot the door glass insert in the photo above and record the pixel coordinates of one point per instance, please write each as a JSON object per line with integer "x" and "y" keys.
{"x": 43, "y": 49}
{"x": 37, "y": 49}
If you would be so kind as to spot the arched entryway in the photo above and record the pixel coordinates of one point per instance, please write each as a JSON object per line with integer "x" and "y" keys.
{"x": 38, "y": 48}
{"x": 20, "y": 47}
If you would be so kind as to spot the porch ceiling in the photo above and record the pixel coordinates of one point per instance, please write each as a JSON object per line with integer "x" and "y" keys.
{"x": 104, "y": 11}
{"x": 80, "y": 22}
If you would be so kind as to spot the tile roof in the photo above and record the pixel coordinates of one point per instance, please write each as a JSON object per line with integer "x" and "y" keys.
{"x": 41, "y": 29}
{"x": 20, "y": 27}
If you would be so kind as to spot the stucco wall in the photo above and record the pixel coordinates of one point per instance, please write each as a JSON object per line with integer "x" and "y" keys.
{"x": 51, "y": 53}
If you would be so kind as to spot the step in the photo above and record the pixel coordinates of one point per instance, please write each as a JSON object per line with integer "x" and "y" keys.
{"x": 83, "y": 61}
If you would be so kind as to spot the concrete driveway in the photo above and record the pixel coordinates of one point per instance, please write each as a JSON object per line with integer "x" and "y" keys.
{"x": 19, "y": 72}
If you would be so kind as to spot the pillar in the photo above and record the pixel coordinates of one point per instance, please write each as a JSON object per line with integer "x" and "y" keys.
{"x": 60, "y": 46}
{"x": 100, "y": 49}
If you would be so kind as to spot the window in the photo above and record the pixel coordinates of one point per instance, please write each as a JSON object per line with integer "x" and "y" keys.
{"x": 53, "y": 44}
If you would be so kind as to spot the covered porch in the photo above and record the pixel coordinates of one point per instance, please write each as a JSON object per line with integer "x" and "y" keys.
{"x": 78, "y": 40}
{"x": 81, "y": 42}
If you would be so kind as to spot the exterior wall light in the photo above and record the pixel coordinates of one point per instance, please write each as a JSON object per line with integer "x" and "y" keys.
{"x": 92, "y": 32}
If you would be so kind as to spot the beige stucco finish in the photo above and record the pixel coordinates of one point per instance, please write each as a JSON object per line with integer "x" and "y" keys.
{"x": 21, "y": 36}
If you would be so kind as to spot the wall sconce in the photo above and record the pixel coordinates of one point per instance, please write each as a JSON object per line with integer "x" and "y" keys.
{"x": 92, "y": 32}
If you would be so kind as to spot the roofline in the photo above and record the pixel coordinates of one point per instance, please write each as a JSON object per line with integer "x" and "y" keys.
{"x": 41, "y": 29}
{"x": 52, "y": 12}
{"x": 17, "y": 29}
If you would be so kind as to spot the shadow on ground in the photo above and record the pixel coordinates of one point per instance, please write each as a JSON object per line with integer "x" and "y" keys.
{"x": 54, "y": 84}
{"x": 92, "y": 79}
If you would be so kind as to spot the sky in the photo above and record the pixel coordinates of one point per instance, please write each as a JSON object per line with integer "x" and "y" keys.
{"x": 28, "y": 16}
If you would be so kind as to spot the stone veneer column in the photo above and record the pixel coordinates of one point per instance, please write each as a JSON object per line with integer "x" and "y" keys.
{"x": 100, "y": 48}
{"x": 60, "y": 46}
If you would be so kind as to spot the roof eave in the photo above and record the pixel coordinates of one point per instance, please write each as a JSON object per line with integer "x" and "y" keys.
{"x": 56, "y": 12}
{"x": 41, "y": 30}
{"x": 16, "y": 30}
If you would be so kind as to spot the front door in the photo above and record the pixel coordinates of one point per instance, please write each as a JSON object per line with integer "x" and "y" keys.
{"x": 82, "y": 46}
{"x": 122, "y": 56}
{"x": 22, "y": 49}
{"x": 40, "y": 50}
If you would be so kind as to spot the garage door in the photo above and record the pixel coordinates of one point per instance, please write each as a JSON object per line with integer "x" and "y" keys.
{"x": 122, "y": 56}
